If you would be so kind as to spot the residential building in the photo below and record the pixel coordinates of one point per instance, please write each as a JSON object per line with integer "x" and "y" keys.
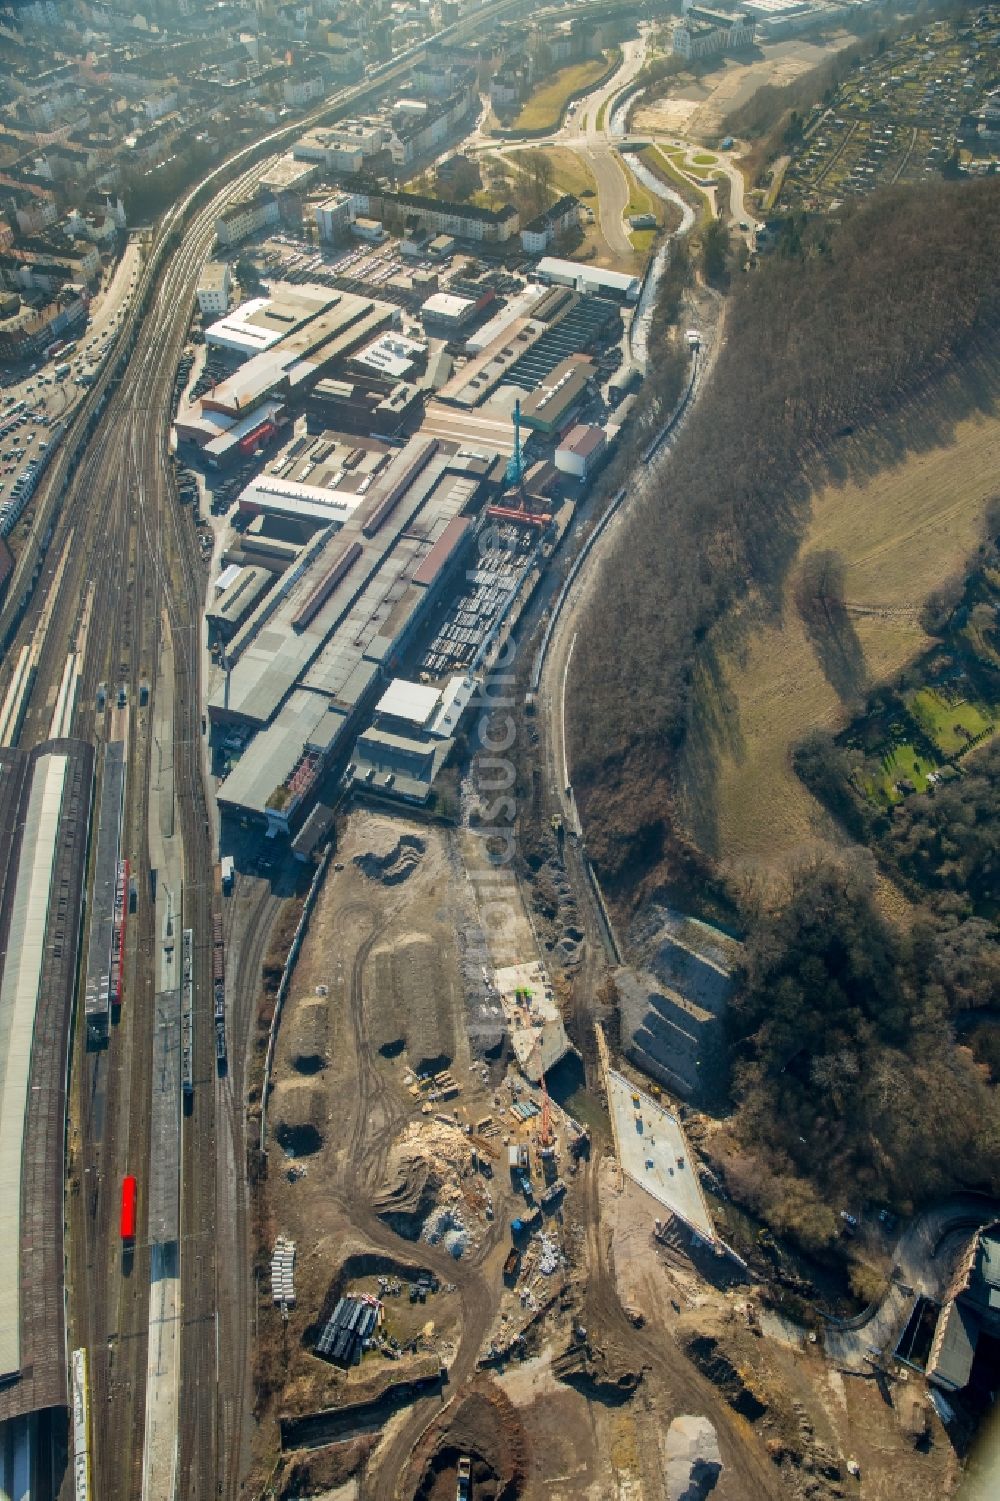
{"x": 540, "y": 232}
{"x": 213, "y": 288}
{"x": 247, "y": 218}
{"x": 333, "y": 217}
{"x": 298, "y": 92}
{"x": 416, "y": 132}
{"x": 466, "y": 221}
{"x": 704, "y": 32}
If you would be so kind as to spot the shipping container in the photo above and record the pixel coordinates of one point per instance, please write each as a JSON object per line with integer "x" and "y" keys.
{"x": 130, "y": 1194}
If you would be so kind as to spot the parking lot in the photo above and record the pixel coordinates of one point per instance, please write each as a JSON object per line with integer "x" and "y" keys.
{"x": 35, "y": 406}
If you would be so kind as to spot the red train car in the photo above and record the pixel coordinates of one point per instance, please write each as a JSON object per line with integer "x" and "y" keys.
{"x": 130, "y": 1194}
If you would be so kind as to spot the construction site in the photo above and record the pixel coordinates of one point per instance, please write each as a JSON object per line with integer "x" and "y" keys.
{"x": 456, "y": 1264}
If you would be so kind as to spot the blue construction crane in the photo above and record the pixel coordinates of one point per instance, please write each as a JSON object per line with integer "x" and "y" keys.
{"x": 515, "y": 465}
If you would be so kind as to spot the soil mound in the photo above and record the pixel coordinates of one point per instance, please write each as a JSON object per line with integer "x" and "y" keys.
{"x": 306, "y": 1035}
{"x": 298, "y": 1114}
{"x": 410, "y": 1004}
{"x": 485, "y": 1427}
{"x": 393, "y": 864}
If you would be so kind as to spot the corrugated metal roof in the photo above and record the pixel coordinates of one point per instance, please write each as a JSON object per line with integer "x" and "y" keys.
{"x": 442, "y": 550}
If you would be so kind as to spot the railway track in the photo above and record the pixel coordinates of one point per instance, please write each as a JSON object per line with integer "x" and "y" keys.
{"x": 107, "y": 516}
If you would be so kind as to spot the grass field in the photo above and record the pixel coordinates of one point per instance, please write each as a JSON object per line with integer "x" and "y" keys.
{"x": 641, "y": 201}
{"x": 571, "y": 174}
{"x": 903, "y": 763}
{"x": 949, "y": 726}
{"x": 544, "y": 109}
{"x": 663, "y": 163}
{"x": 901, "y": 534}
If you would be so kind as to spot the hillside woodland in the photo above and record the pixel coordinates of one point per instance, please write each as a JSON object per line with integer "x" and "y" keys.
{"x": 848, "y": 1084}
{"x": 849, "y": 1080}
{"x": 849, "y": 318}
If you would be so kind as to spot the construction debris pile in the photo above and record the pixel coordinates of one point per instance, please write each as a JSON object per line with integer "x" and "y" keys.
{"x": 282, "y": 1273}
{"x": 447, "y": 1227}
{"x": 431, "y": 1089}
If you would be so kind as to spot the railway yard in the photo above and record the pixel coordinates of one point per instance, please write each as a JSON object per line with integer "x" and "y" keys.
{"x": 360, "y": 1195}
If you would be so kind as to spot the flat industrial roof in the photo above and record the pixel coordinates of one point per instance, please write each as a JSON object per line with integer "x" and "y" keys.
{"x": 391, "y": 354}
{"x": 416, "y": 702}
{"x": 473, "y": 382}
{"x": 446, "y": 305}
{"x": 449, "y": 539}
{"x": 261, "y": 322}
{"x": 589, "y": 276}
{"x": 522, "y": 305}
{"x": 269, "y": 493}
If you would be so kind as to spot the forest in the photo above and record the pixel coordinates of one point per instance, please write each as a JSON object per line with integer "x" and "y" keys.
{"x": 847, "y": 1082}
{"x": 833, "y": 332}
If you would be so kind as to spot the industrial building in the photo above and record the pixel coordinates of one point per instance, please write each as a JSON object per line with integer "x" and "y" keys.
{"x": 581, "y": 451}
{"x": 447, "y": 312}
{"x": 586, "y": 278}
{"x": 45, "y": 804}
{"x": 236, "y": 601}
{"x": 306, "y": 663}
{"x": 554, "y": 400}
{"x": 410, "y": 737}
{"x": 392, "y": 356}
{"x": 300, "y": 332}
{"x": 261, "y": 322}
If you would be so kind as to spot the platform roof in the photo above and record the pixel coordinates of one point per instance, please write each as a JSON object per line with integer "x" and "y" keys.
{"x": 45, "y": 800}
{"x": 18, "y": 1000}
